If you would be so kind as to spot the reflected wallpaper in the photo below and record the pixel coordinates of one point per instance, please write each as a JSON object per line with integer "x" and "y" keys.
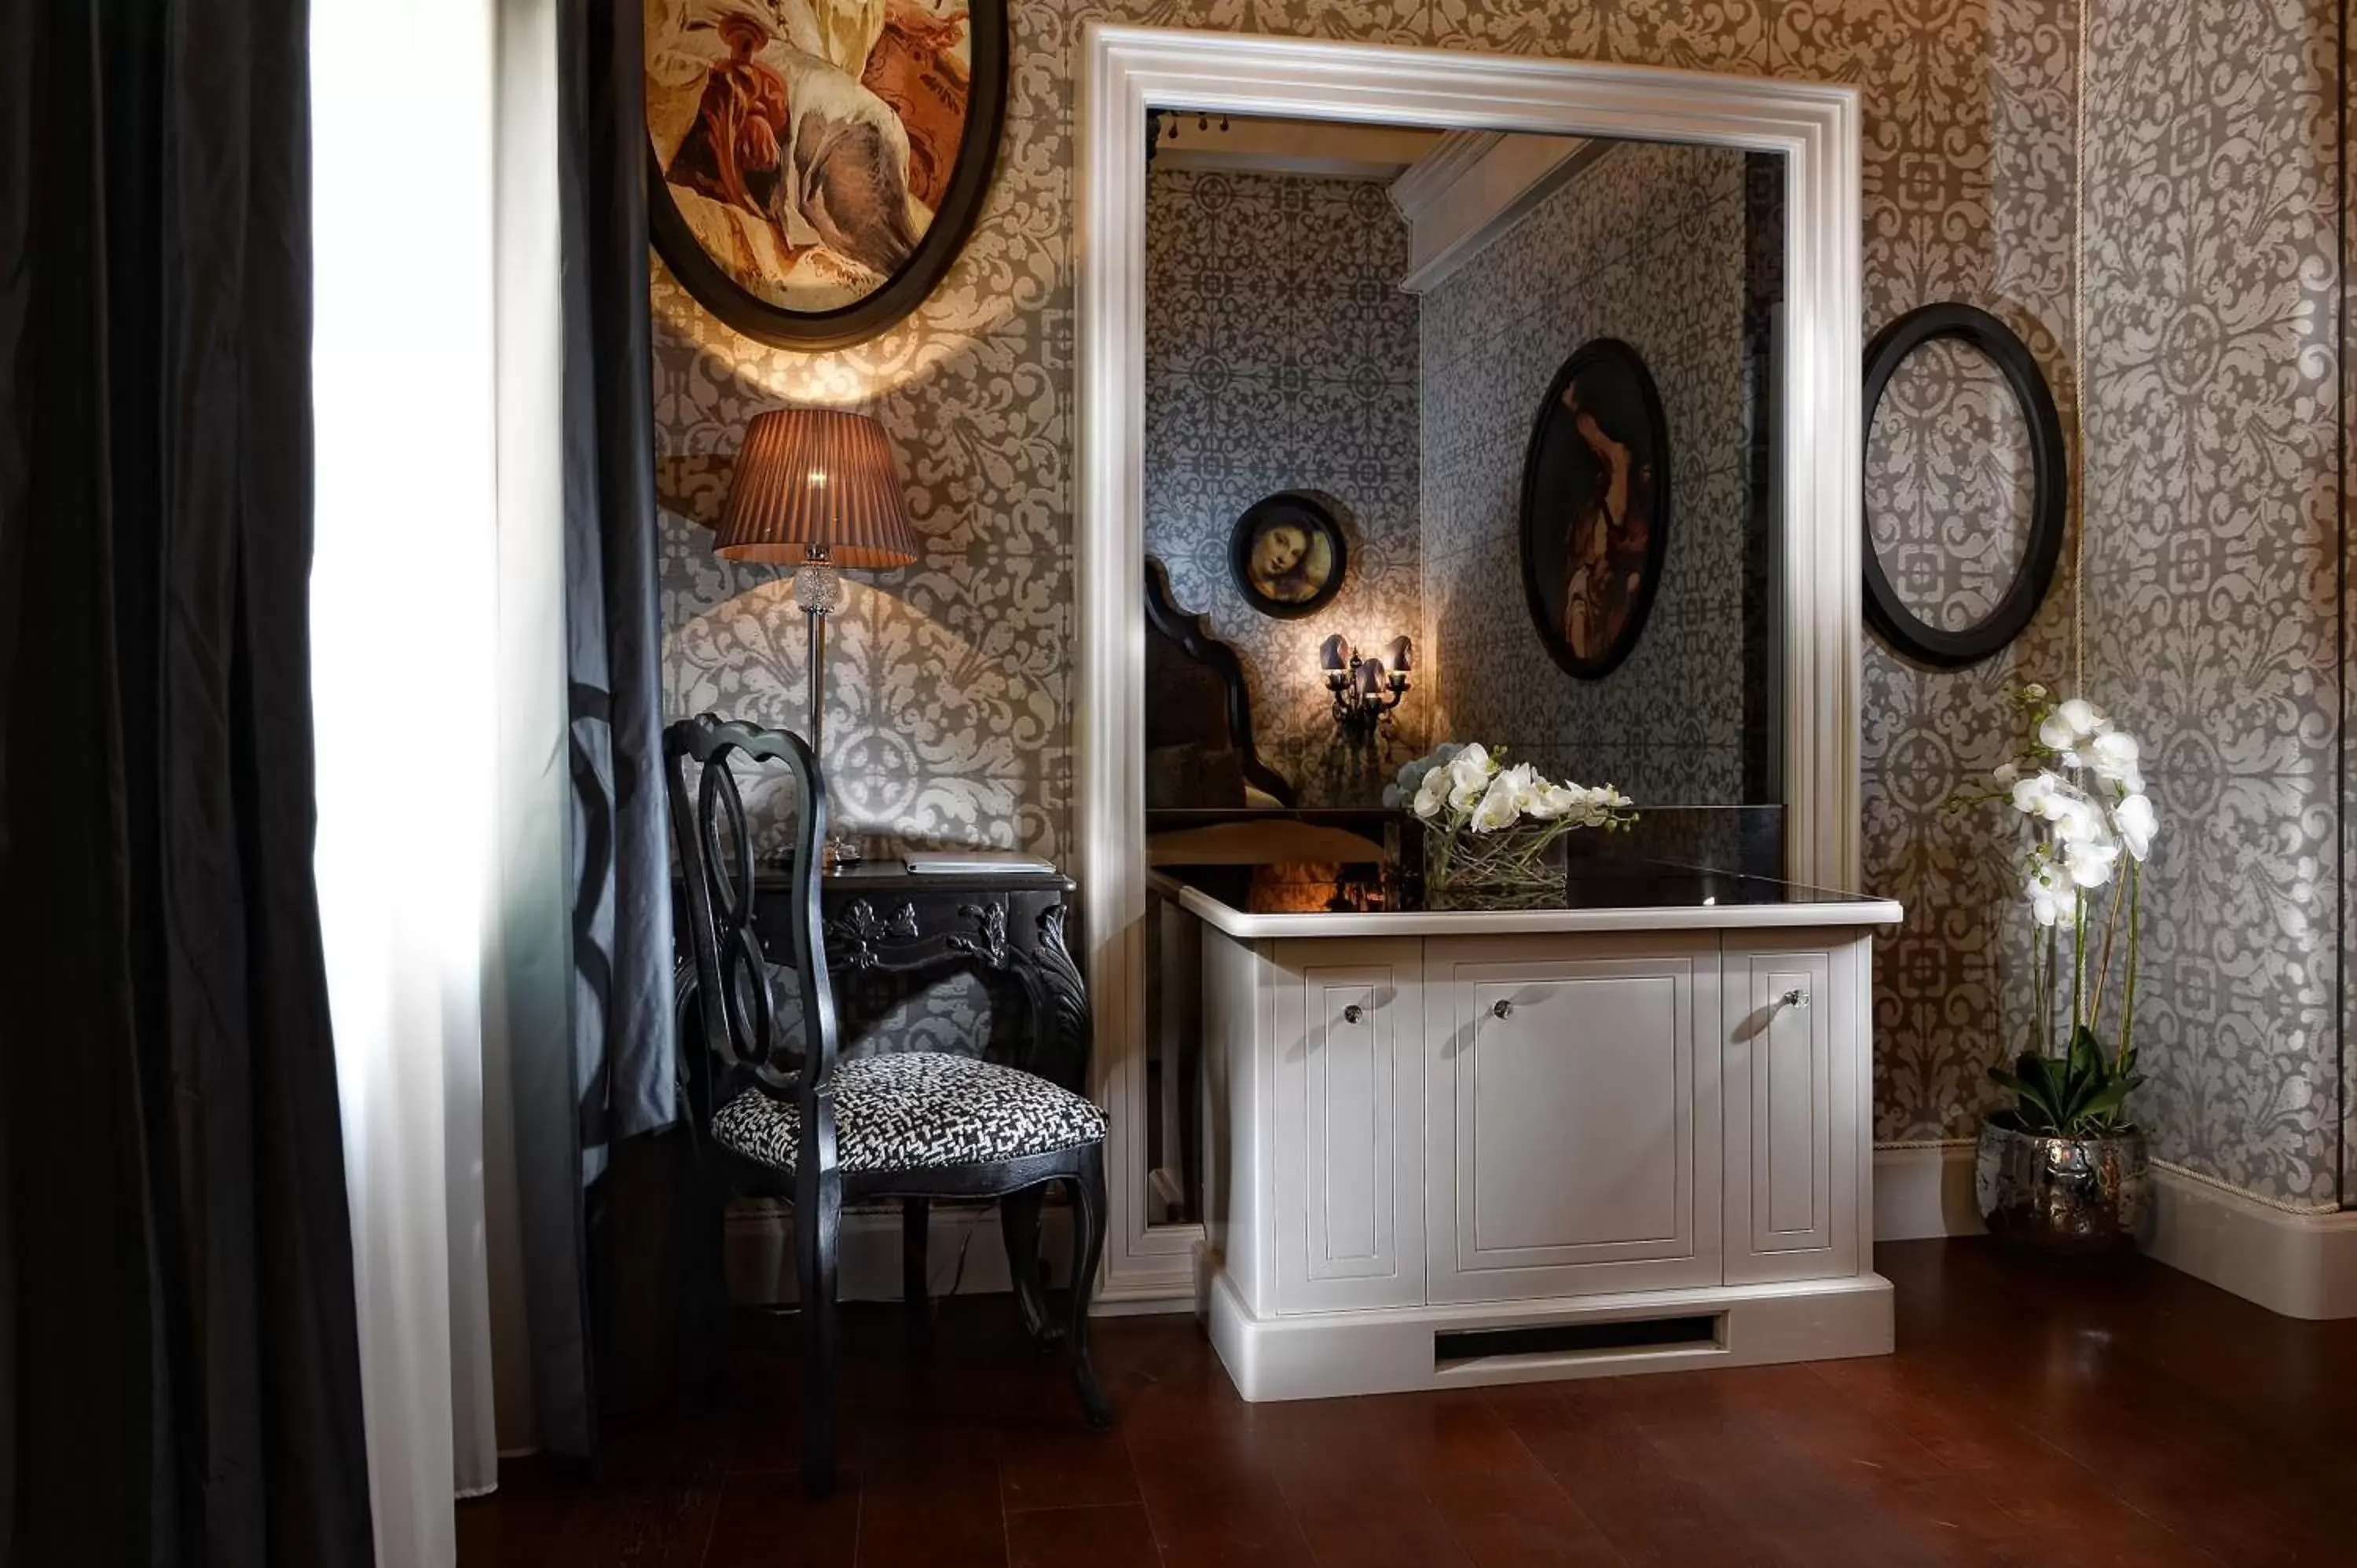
{"x": 1281, "y": 354}
{"x": 1644, "y": 244}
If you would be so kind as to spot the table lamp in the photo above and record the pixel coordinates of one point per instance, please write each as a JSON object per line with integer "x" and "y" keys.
{"x": 815, "y": 489}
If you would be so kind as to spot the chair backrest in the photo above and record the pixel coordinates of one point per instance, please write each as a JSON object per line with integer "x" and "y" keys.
{"x": 734, "y": 1009}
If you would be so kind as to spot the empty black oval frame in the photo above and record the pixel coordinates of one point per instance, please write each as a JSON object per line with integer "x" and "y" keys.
{"x": 1906, "y": 633}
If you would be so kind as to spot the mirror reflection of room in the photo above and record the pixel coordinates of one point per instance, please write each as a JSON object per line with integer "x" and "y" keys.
{"x": 1450, "y": 437}
{"x": 1455, "y": 436}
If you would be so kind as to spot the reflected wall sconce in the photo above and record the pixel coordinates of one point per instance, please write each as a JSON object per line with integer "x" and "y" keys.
{"x": 1365, "y": 690}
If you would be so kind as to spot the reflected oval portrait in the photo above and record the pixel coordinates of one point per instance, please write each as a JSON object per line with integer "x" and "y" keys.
{"x": 1595, "y": 507}
{"x": 1287, "y": 554}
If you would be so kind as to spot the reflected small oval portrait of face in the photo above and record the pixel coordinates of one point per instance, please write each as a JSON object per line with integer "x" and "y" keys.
{"x": 1287, "y": 554}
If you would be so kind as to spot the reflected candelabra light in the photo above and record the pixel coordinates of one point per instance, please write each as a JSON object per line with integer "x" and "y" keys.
{"x": 1365, "y": 690}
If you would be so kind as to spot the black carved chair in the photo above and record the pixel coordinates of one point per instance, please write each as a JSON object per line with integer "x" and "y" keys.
{"x": 776, "y": 1120}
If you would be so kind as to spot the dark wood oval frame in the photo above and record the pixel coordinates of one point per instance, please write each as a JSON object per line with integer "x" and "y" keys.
{"x": 1598, "y": 350}
{"x": 1324, "y": 510}
{"x": 1904, "y": 632}
{"x": 815, "y": 331}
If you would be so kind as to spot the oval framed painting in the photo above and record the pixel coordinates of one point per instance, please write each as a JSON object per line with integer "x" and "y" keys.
{"x": 813, "y": 167}
{"x": 1288, "y": 555}
{"x": 1595, "y": 507}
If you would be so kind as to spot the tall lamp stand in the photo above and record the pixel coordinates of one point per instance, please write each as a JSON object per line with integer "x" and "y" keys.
{"x": 818, "y": 590}
{"x": 815, "y": 490}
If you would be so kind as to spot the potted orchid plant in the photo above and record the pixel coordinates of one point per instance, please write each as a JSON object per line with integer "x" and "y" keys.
{"x": 2064, "y": 1169}
{"x": 1493, "y": 834}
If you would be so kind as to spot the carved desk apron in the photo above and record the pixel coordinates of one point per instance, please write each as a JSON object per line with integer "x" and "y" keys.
{"x": 881, "y": 919}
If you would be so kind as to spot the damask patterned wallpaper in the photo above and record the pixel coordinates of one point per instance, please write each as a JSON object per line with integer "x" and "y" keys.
{"x": 1949, "y": 461}
{"x": 2213, "y": 450}
{"x": 1645, "y": 244}
{"x": 2212, "y": 473}
{"x": 2348, "y": 607}
{"x": 1281, "y": 354}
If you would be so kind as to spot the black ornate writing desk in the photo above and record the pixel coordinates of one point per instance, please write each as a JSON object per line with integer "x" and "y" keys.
{"x": 882, "y": 919}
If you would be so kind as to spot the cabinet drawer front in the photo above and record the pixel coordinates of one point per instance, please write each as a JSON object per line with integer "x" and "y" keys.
{"x": 1567, "y": 1148}
{"x": 1350, "y": 1126}
{"x": 1791, "y": 1172}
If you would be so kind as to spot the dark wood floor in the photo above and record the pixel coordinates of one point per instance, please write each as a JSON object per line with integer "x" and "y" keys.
{"x": 2026, "y": 1419}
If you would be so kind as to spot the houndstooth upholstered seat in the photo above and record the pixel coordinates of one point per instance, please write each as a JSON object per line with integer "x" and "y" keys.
{"x": 908, "y": 1110}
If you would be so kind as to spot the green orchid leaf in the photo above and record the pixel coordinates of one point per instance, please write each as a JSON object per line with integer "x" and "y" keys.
{"x": 2036, "y": 1099}
{"x": 2083, "y": 1093}
{"x": 2103, "y": 1106}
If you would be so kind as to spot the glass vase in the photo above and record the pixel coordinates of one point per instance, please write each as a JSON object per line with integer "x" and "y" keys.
{"x": 1521, "y": 868}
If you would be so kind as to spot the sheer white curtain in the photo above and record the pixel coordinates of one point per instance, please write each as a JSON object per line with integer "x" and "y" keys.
{"x": 432, "y": 674}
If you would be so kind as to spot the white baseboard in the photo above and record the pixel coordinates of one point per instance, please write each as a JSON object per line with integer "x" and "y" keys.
{"x": 2298, "y": 1264}
{"x": 761, "y": 1258}
{"x": 2302, "y": 1265}
{"x": 1924, "y": 1190}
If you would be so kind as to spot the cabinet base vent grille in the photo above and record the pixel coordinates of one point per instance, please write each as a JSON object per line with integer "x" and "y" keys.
{"x": 1560, "y": 1340}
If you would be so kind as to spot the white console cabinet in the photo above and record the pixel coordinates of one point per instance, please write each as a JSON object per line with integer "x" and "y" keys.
{"x": 1348, "y": 1145}
{"x": 1451, "y": 1153}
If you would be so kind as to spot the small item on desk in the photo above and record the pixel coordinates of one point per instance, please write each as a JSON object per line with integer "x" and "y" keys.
{"x": 976, "y": 863}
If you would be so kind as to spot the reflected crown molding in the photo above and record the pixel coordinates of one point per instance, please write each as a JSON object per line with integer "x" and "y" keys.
{"x": 1475, "y": 187}
{"x": 1302, "y": 148}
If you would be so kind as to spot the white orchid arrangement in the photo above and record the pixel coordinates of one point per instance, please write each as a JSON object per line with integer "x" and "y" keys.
{"x": 1470, "y": 789}
{"x": 2079, "y": 783}
{"x": 1457, "y": 787}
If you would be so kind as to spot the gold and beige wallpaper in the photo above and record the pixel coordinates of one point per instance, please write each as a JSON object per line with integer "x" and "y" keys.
{"x": 2212, "y": 625}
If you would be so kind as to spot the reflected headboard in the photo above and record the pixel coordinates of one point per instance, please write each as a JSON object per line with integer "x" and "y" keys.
{"x": 1195, "y": 690}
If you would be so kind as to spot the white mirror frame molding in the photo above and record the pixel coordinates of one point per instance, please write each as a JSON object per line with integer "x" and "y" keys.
{"x": 1128, "y": 71}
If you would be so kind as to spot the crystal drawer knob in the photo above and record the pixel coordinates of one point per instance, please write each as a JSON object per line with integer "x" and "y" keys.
{"x": 1353, "y": 1013}
{"x": 1501, "y": 1009}
{"x": 1796, "y": 999}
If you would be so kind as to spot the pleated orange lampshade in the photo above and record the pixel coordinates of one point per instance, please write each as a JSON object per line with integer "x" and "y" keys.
{"x": 816, "y": 477}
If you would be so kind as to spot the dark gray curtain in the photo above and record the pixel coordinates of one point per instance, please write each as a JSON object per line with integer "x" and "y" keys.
{"x": 622, "y": 954}
{"x": 613, "y": 1078}
{"x": 180, "y": 1375}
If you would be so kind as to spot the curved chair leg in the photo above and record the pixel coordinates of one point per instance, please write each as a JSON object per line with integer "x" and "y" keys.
{"x": 916, "y": 1230}
{"x": 1018, "y": 1221}
{"x": 818, "y": 1218}
{"x": 1088, "y": 1249}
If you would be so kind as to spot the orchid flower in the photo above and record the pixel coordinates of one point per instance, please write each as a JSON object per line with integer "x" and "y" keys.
{"x": 2137, "y": 825}
{"x": 1501, "y": 807}
{"x": 1457, "y": 786}
{"x": 2079, "y": 788}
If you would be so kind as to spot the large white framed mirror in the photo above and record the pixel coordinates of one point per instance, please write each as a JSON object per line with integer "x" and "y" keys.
{"x": 1493, "y": 135}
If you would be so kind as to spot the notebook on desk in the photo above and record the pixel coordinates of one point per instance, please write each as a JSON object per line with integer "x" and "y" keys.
{"x": 973, "y": 861}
